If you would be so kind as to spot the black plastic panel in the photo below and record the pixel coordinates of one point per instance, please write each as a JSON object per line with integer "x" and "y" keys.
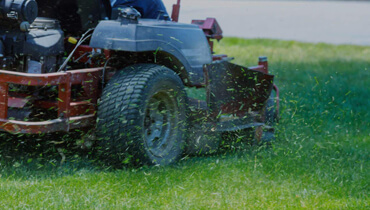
{"x": 235, "y": 89}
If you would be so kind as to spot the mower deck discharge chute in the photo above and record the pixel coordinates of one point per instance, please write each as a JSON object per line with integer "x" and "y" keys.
{"x": 126, "y": 79}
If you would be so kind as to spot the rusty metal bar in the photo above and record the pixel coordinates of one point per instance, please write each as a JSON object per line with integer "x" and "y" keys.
{"x": 44, "y": 79}
{"x": 259, "y": 68}
{"x": 13, "y": 126}
{"x": 64, "y": 97}
{"x": 31, "y": 79}
{"x": 262, "y": 61}
{"x": 3, "y": 100}
{"x": 176, "y": 12}
{"x": 91, "y": 85}
{"x": 79, "y": 76}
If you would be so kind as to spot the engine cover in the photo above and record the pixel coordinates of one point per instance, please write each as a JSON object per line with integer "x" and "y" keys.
{"x": 37, "y": 51}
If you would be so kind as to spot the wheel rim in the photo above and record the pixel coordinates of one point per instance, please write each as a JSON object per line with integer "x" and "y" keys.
{"x": 160, "y": 124}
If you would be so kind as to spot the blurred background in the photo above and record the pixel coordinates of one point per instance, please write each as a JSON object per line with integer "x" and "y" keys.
{"x": 336, "y": 22}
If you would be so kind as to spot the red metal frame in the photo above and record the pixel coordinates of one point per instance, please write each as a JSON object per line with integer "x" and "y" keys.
{"x": 219, "y": 57}
{"x": 71, "y": 114}
{"x": 176, "y": 12}
{"x": 211, "y": 29}
{"x": 264, "y": 67}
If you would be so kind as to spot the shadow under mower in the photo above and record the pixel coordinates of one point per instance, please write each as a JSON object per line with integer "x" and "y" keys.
{"x": 125, "y": 80}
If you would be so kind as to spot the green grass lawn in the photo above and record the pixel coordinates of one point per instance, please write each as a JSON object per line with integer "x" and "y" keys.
{"x": 321, "y": 158}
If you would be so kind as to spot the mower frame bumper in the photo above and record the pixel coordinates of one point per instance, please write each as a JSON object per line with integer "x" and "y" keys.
{"x": 71, "y": 114}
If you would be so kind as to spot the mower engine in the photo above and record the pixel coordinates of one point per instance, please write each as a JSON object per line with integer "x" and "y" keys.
{"x": 27, "y": 43}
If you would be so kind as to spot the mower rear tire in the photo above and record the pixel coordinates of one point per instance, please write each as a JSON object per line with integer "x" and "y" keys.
{"x": 142, "y": 116}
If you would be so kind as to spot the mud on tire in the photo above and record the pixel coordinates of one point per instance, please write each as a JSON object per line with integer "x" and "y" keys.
{"x": 142, "y": 116}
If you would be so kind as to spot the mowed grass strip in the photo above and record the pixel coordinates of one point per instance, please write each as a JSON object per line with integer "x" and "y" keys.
{"x": 320, "y": 159}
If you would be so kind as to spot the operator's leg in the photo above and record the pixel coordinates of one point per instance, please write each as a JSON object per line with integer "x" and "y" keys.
{"x": 148, "y": 8}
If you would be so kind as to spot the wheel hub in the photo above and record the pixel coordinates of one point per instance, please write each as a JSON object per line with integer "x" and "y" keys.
{"x": 158, "y": 123}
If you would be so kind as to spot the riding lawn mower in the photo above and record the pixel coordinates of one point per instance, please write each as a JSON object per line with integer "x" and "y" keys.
{"x": 71, "y": 65}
